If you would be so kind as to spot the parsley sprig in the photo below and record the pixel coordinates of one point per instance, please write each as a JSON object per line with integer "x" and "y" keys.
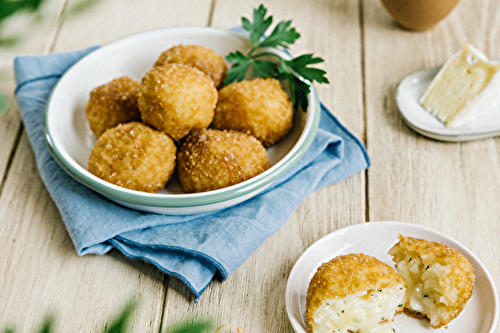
{"x": 296, "y": 71}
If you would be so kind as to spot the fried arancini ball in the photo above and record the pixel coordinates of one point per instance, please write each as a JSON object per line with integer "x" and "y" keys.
{"x": 177, "y": 98}
{"x": 134, "y": 156}
{"x": 113, "y": 103}
{"x": 211, "y": 159}
{"x": 202, "y": 58}
{"x": 259, "y": 107}
{"x": 354, "y": 293}
{"x": 440, "y": 279}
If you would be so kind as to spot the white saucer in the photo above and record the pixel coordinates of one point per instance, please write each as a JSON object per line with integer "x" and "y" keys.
{"x": 409, "y": 92}
{"x": 375, "y": 239}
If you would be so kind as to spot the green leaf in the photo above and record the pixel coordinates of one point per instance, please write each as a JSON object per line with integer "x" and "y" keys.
{"x": 259, "y": 26}
{"x": 264, "y": 68}
{"x": 239, "y": 69}
{"x": 45, "y": 328}
{"x": 297, "y": 72}
{"x": 300, "y": 65}
{"x": 5, "y": 103}
{"x": 9, "y": 41}
{"x": 198, "y": 326}
{"x": 47, "y": 325}
{"x": 81, "y": 6}
{"x": 9, "y": 7}
{"x": 33, "y": 4}
{"x": 306, "y": 59}
{"x": 282, "y": 35}
{"x": 299, "y": 90}
{"x": 236, "y": 57}
{"x": 119, "y": 325}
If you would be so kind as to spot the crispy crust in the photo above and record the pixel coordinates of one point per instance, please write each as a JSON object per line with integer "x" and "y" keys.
{"x": 177, "y": 98}
{"x": 459, "y": 279}
{"x": 134, "y": 156}
{"x": 259, "y": 107}
{"x": 212, "y": 159}
{"x": 113, "y": 103}
{"x": 347, "y": 275}
{"x": 202, "y": 58}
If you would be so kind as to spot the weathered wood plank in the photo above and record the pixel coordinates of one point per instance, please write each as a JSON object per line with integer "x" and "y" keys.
{"x": 41, "y": 272}
{"x": 450, "y": 187}
{"x": 30, "y": 34}
{"x": 254, "y": 296}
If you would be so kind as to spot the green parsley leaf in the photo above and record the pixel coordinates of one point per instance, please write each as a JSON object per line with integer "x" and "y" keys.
{"x": 262, "y": 68}
{"x": 260, "y": 25}
{"x": 297, "y": 72}
{"x": 195, "y": 327}
{"x": 281, "y": 36}
{"x": 9, "y": 7}
{"x": 5, "y": 103}
{"x": 300, "y": 66}
{"x": 119, "y": 324}
{"x": 299, "y": 89}
{"x": 240, "y": 67}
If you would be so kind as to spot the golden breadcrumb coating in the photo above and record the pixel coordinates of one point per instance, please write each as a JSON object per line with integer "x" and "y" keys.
{"x": 177, "y": 98}
{"x": 440, "y": 279}
{"x": 353, "y": 293}
{"x": 113, "y": 103}
{"x": 212, "y": 159}
{"x": 259, "y": 107}
{"x": 202, "y": 58}
{"x": 134, "y": 156}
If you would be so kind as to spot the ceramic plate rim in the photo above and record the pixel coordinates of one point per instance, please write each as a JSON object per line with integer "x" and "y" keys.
{"x": 179, "y": 200}
{"x": 305, "y": 261}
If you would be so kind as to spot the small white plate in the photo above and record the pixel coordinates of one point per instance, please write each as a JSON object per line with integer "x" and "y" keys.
{"x": 375, "y": 239}
{"x": 408, "y": 94}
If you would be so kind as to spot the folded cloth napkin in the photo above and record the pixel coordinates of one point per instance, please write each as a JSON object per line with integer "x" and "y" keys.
{"x": 194, "y": 248}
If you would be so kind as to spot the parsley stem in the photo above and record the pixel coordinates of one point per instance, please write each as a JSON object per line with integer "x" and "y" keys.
{"x": 265, "y": 54}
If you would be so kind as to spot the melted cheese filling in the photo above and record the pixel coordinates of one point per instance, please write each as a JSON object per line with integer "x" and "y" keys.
{"x": 362, "y": 313}
{"x": 424, "y": 288}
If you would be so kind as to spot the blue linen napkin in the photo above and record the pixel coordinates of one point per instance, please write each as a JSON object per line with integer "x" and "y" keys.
{"x": 194, "y": 248}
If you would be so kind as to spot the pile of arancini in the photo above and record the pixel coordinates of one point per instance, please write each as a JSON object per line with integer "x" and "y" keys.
{"x": 180, "y": 119}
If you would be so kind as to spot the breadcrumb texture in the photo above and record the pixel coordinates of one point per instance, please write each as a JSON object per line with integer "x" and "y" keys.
{"x": 353, "y": 292}
{"x": 440, "y": 279}
{"x": 197, "y": 56}
{"x": 259, "y": 107}
{"x": 134, "y": 156}
{"x": 113, "y": 103}
{"x": 212, "y": 159}
{"x": 177, "y": 98}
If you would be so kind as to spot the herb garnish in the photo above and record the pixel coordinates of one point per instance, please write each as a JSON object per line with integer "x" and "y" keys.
{"x": 9, "y": 7}
{"x": 297, "y": 71}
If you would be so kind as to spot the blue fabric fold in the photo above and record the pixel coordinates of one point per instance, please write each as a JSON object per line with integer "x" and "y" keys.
{"x": 194, "y": 248}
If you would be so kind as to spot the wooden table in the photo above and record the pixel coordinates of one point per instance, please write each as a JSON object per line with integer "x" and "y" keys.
{"x": 453, "y": 188}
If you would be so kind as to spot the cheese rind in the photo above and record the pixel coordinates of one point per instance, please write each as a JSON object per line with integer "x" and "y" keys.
{"x": 465, "y": 88}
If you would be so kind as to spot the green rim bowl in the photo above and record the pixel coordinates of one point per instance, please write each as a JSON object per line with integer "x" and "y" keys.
{"x": 70, "y": 140}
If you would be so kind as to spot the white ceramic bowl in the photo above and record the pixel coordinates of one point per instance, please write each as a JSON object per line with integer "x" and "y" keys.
{"x": 70, "y": 140}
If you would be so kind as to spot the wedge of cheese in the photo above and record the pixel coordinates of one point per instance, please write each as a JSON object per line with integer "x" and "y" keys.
{"x": 465, "y": 88}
